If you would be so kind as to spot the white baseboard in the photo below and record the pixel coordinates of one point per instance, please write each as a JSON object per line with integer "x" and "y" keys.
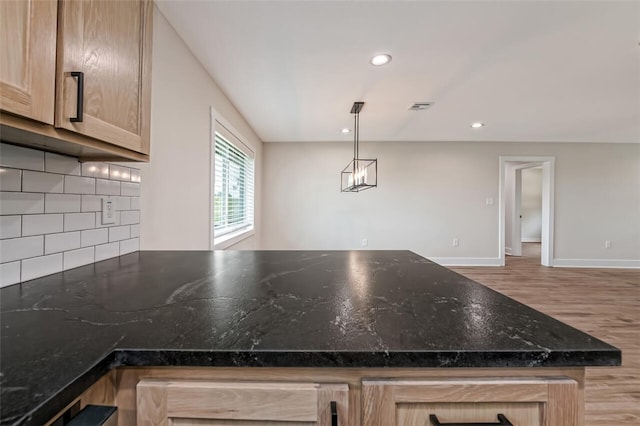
{"x": 531, "y": 240}
{"x": 466, "y": 261}
{"x": 507, "y": 251}
{"x": 597, "y": 263}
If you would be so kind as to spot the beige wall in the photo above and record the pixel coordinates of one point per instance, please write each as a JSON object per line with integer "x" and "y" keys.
{"x": 176, "y": 183}
{"x": 430, "y": 193}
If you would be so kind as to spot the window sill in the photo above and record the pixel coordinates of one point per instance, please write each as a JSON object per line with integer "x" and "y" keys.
{"x": 228, "y": 240}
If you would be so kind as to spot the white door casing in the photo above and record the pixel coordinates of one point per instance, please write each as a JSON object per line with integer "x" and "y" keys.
{"x": 508, "y": 168}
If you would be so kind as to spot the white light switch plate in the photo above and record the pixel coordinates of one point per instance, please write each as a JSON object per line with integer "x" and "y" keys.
{"x": 108, "y": 211}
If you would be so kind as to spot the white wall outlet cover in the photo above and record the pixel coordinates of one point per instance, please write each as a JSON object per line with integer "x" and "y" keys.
{"x": 108, "y": 211}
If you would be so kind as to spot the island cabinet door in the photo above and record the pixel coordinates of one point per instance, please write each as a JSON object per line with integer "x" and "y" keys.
{"x": 500, "y": 402}
{"x": 191, "y": 402}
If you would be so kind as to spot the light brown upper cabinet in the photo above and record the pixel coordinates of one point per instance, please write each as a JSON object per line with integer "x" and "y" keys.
{"x": 75, "y": 76}
{"x": 28, "y": 58}
{"x": 104, "y": 64}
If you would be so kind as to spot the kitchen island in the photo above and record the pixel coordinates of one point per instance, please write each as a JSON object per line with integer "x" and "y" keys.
{"x": 351, "y": 317}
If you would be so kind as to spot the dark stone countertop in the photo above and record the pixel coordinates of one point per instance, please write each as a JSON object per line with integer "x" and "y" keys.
{"x": 265, "y": 308}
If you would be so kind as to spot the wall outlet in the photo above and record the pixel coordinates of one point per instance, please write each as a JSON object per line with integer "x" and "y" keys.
{"x": 365, "y": 242}
{"x": 489, "y": 201}
{"x": 607, "y": 244}
{"x": 456, "y": 242}
{"x": 108, "y": 211}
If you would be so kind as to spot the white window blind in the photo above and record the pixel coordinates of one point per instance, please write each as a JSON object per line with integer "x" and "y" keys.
{"x": 233, "y": 185}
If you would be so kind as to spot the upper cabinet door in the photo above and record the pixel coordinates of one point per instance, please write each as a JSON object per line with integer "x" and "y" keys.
{"x": 106, "y": 46}
{"x": 28, "y": 52}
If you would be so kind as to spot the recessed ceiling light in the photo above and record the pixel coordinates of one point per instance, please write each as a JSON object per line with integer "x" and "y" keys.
{"x": 345, "y": 130}
{"x": 477, "y": 125}
{"x": 380, "y": 59}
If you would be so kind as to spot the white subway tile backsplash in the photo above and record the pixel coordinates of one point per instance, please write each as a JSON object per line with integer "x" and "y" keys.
{"x": 42, "y": 182}
{"x": 117, "y": 233}
{"x": 75, "y": 258}
{"x": 99, "y": 220}
{"x": 9, "y": 273}
{"x": 107, "y": 187}
{"x": 135, "y": 203}
{"x": 123, "y": 203}
{"x": 55, "y": 243}
{"x": 37, "y": 224}
{"x": 79, "y": 221}
{"x": 21, "y": 203}
{"x": 10, "y": 179}
{"x": 93, "y": 237}
{"x": 129, "y": 217}
{"x": 41, "y": 266}
{"x": 21, "y": 248}
{"x": 61, "y": 203}
{"x": 119, "y": 173}
{"x": 79, "y": 185}
{"x": 92, "y": 203}
{"x": 130, "y": 189}
{"x": 10, "y": 226}
{"x": 55, "y": 163}
{"x": 95, "y": 169}
{"x": 50, "y": 212}
{"x": 21, "y": 158}
{"x": 129, "y": 246}
{"x": 107, "y": 251}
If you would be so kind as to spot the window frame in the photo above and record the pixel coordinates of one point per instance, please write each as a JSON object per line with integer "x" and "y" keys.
{"x": 223, "y": 128}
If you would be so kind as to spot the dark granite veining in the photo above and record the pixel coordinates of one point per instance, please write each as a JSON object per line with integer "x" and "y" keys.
{"x": 264, "y": 308}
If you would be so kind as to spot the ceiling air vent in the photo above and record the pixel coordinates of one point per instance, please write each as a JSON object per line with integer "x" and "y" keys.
{"x": 420, "y": 106}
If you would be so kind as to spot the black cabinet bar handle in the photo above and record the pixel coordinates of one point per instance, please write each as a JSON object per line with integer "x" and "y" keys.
{"x": 80, "y": 99}
{"x": 503, "y": 421}
{"x": 334, "y": 414}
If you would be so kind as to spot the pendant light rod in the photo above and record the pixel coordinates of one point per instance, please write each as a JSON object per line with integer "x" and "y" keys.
{"x": 355, "y": 110}
{"x": 356, "y": 128}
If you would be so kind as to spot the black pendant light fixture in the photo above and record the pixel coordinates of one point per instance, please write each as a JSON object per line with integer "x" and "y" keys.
{"x": 360, "y": 173}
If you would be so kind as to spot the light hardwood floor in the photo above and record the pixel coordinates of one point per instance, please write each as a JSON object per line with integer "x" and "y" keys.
{"x": 602, "y": 302}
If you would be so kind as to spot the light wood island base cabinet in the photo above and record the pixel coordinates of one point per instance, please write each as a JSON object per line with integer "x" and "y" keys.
{"x": 364, "y": 396}
{"x": 255, "y": 396}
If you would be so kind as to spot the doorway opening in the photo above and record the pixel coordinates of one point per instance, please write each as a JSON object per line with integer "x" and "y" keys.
{"x": 530, "y": 205}
{"x": 511, "y": 208}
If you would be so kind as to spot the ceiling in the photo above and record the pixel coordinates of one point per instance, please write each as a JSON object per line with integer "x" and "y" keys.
{"x": 533, "y": 71}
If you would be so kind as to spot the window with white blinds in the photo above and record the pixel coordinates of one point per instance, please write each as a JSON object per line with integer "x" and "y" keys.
{"x": 233, "y": 185}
